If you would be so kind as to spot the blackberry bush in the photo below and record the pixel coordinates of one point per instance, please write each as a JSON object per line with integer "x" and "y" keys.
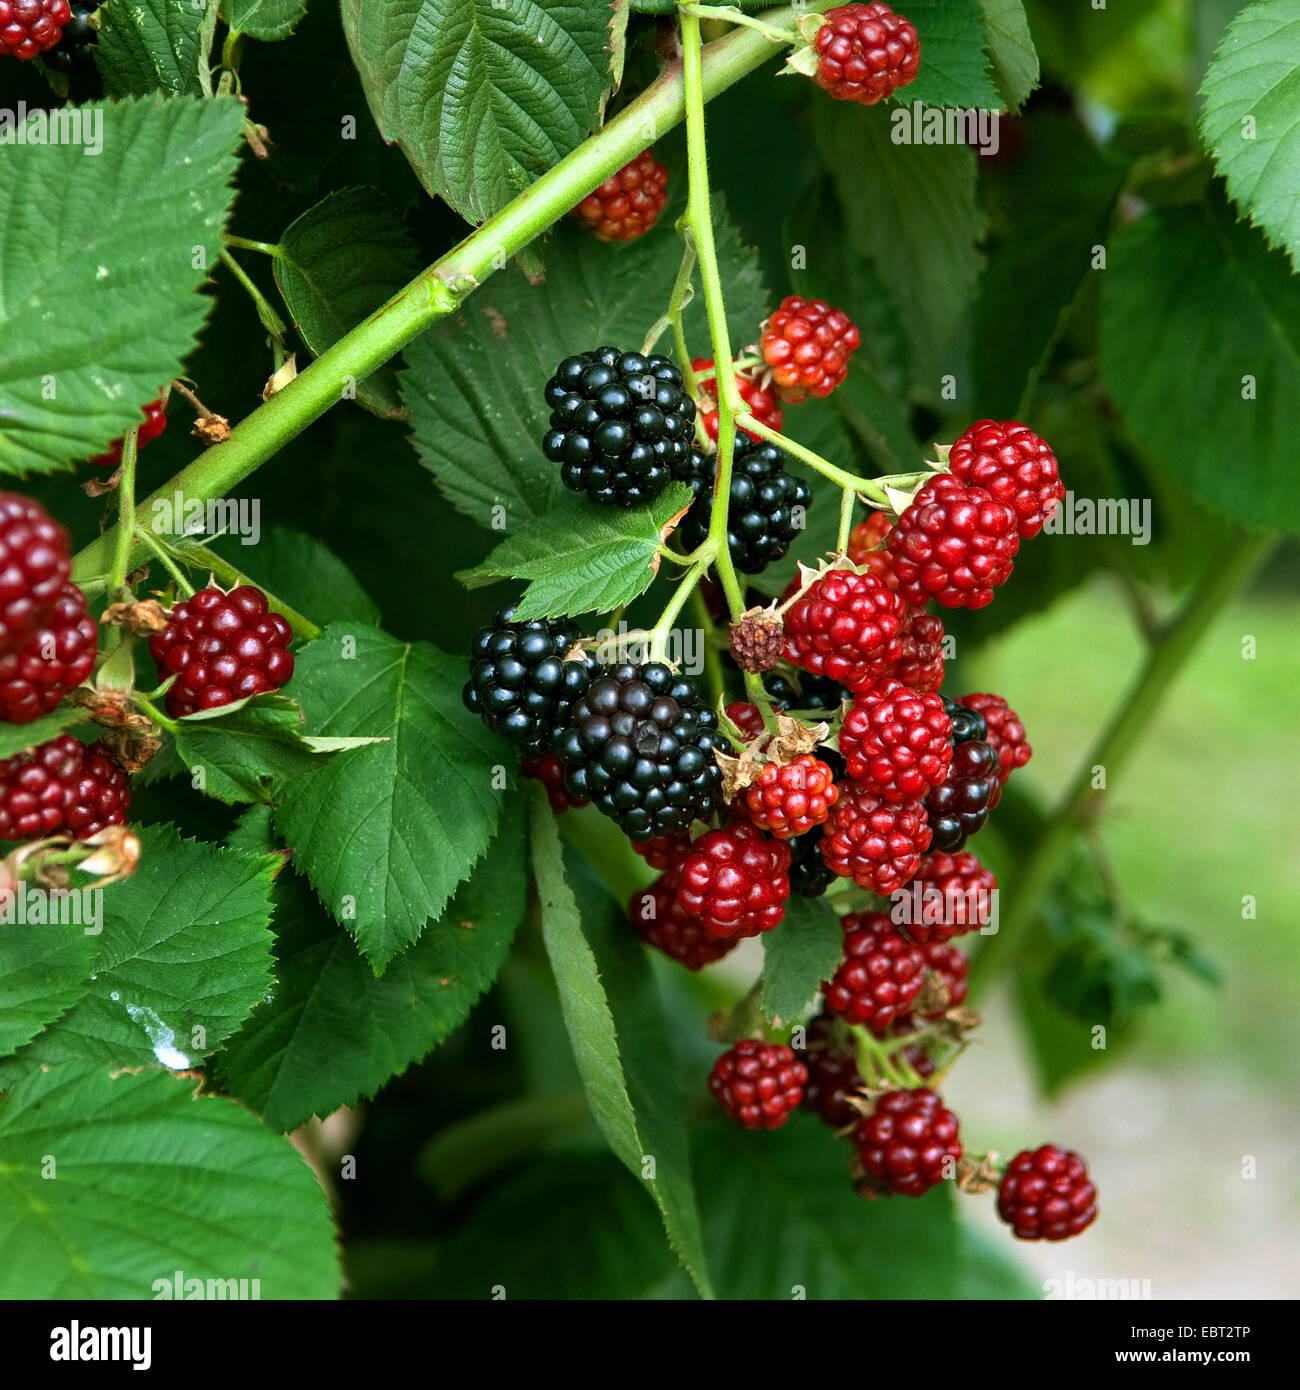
{"x": 409, "y": 749}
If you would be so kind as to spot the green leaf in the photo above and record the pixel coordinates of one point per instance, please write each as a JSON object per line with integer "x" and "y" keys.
{"x": 186, "y": 955}
{"x": 332, "y": 1032}
{"x": 1251, "y": 118}
{"x": 780, "y": 1215}
{"x": 463, "y": 1155}
{"x": 17, "y": 738}
{"x": 568, "y": 1227}
{"x": 911, "y": 210}
{"x": 802, "y": 952}
{"x": 481, "y": 99}
{"x": 579, "y": 559}
{"x": 1200, "y": 351}
{"x": 44, "y": 968}
{"x": 302, "y": 572}
{"x": 386, "y": 833}
{"x": 654, "y": 1078}
{"x": 336, "y": 265}
{"x": 655, "y": 1131}
{"x": 474, "y": 383}
{"x": 267, "y": 20}
{"x": 1011, "y": 46}
{"x": 1062, "y": 189}
{"x": 98, "y": 270}
{"x": 954, "y": 67}
{"x": 240, "y": 747}
{"x": 149, "y": 45}
{"x": 150, "y": 1178}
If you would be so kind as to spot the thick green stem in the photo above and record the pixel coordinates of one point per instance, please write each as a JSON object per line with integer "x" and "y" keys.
{"x": 685, "y": 588}
{"x": 439, "y": 290}
{"x": 870, "y": 489}
{"x": 1229, "y": 572}
{"x": 699, "y": 226}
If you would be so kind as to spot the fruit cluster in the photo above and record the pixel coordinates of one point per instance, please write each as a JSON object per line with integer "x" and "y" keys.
{"x": 847, "y": 764}
{"x": 211, "y": 649}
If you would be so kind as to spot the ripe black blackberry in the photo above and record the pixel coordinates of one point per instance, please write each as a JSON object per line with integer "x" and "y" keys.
{"x": 620, "y": 423}
{"x": 77, "y": 42}
{"x": 640, "y": 744}
{"x": 519, "y": 681}
{"x": 766, "y": 508}
{"x": 968, "y": 725}
{"x": 809, "y": 876}
{"x": 813, "y": 693}
{"x": 960, "y": 805}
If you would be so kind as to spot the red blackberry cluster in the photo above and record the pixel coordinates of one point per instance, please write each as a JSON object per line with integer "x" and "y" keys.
{"x": 758, "y": 1084}
{"x": 34, "y": 567}
{"x": 222, "y": 647}
{"x": 29, "y": 27}
{"x": 920, "y": 662}
{"x": 59, "y": 655}
{"x": 620, "y": 424}
{"x": 876, "y": 843}
{"x": 833, "y": 1075}
{"x": 628, "y": 203}
{"x": 867, "y": 547}
{"x": 909, "y": 1142}
{"x": 948, "y": 966}
{"x": 661, "y": 921}
{"x": 767, "y": 504}
{"x": 756, "y": 641}
{"x": 880, "y": 975}
{"x": 763, "y": 404}
{"x": 954, "y": 894}
{"x": 640, "y": 743}
{"x": 865, "y": 53}
{"x": 1046, "y": 1194}
{"x": 895, "y": 741}
{"x": 845, "y": 627}
{"x": 736, "y": 881}
{"x": 1014, "y": 466}
{"x": 807, "y": 344}
{"x": 155, "y": 421}
{"x": 788, "y": 799}
{"x": 746, "y": 717}
{"x": 519, "y": 681}
{"x": 954, "y": 544}
{"x": 61, "y": 787}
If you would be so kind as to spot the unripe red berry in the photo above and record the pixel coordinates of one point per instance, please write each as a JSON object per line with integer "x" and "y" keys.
{"x": 628, "y": 203}
{"x": 758, "y": 1084}
{"x": 790, "y": 798}
{"x": 808, "y": 344}
{"x": 736, "y": 880}
{"x": 845, "y": 627}
{"x": 954, "y": 544}
{"x": 865, "y": 53}
{"x": 909, "y": 1142}
{"x": 896, "y": 741}
{"x": 1046, "y": 1194}
{"x": 1013, "y": 465}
